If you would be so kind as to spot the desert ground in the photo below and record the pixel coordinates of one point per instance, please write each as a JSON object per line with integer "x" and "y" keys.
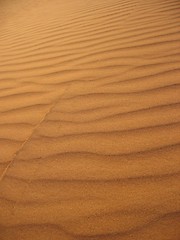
{"x": 90, "y": 120}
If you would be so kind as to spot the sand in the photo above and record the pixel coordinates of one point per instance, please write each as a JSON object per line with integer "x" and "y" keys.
{"x": 90, "y": 120}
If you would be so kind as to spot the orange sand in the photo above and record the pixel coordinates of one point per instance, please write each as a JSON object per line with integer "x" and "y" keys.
{"x": 89, "y": 120}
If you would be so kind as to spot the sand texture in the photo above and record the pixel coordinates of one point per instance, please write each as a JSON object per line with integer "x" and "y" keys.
{"x": 90, "y": 120}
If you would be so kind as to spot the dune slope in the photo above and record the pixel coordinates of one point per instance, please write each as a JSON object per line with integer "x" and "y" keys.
{"x": 90, "y": 120}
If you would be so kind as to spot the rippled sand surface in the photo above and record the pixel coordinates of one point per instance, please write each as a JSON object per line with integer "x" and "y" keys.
{"x": 90, "y": 120}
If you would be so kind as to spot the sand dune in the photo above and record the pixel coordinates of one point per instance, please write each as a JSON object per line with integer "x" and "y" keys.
{"x": 90, "y": 120}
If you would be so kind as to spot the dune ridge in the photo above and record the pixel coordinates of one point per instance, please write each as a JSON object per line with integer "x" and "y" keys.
{"x": 90, "y": 120}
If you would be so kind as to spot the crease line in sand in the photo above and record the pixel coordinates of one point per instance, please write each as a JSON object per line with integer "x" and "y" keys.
{"x": 33, "y": 130}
